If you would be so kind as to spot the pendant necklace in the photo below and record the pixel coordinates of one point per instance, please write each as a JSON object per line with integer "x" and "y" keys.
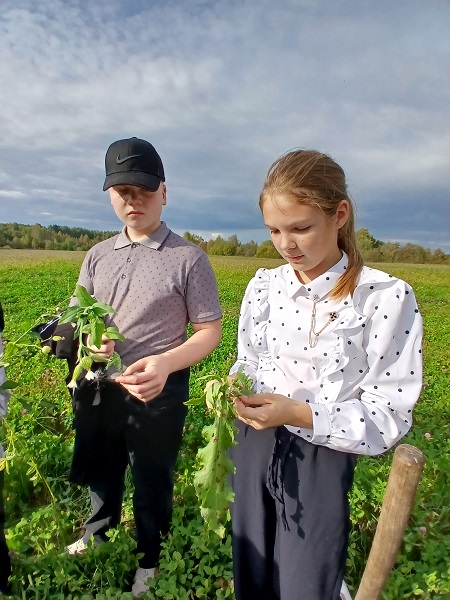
{"x": 313, "y": 334}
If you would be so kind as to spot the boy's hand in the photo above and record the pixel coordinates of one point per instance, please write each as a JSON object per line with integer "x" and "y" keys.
{"x": 264, "y": 410}
{"x": 146, "y": 378}
{"x": 106, "y": 349}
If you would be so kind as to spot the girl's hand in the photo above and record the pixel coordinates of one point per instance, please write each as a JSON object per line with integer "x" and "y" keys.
{"x": 106, "y": 350}
{"x": 262, "y": 411}
{"x": 146, "y": 378}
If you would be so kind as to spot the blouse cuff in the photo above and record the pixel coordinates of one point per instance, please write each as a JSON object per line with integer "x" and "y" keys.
{"x": 321, "y": 424}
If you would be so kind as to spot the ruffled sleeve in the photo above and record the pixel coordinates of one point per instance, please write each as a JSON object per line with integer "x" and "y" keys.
{"x": 253, "y": 324}
{"x": 377, "y": 412}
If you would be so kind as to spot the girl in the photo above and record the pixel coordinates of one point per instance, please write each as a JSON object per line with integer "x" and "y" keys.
{"x": 334, "y": 350}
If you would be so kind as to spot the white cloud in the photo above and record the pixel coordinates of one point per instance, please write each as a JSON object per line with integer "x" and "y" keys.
{"x": 12, "y": 194}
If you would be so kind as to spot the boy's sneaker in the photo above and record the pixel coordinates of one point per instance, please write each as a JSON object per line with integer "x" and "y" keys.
{"x": 80, "y": 547}
{"x": 140, "y": 581}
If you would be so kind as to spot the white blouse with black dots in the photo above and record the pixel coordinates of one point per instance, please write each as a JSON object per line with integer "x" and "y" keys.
{"x": 363, "y": 377}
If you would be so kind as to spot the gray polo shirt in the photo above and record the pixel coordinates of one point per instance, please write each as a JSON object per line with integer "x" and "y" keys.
{"x": 157, "y": 286}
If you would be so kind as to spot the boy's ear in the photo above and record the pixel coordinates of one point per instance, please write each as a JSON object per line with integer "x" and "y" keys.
{"x": 164, "y": 193}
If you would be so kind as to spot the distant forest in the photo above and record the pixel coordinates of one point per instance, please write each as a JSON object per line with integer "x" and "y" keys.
{"x": 58, "y": 237}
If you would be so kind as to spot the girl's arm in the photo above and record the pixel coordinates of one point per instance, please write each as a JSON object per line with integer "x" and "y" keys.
{"x": 377, "y": 412}
{"x": 372, "y": 406}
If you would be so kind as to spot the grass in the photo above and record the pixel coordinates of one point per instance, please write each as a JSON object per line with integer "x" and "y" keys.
{"x": 45, "y": 512}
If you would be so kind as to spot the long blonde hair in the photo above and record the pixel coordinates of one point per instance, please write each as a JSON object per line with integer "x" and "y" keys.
{"x": 313, "y": 178}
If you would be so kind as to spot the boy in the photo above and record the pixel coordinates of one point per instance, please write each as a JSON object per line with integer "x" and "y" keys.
{"x": 157, "y": 283}
{"x": 5, "y": 562}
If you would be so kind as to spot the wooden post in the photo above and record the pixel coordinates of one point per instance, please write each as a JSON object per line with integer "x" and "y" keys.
{"x": 404, "y": 477}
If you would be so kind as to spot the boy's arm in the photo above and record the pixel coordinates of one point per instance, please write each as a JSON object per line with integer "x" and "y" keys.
{"x": 146, "y": 378}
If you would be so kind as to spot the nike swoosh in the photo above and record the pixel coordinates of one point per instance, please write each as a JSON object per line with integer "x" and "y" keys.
{"x": 119, "y": 160}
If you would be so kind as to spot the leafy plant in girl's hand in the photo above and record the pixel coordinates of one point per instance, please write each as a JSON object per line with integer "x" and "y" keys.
{"x": 214, "y": 466}
{"x": 88, "y": 319}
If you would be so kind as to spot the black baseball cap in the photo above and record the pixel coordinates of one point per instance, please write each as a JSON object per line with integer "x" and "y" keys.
{"x": 133, "y": 162}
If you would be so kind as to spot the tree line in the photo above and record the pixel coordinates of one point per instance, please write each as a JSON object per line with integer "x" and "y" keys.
{"x": 54, "y": 237}
{"x": 372, "y": 250}
{"x": 60, "y": 237}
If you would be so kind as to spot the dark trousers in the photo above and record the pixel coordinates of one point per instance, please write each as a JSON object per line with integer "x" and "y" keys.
{"x": 290, "y": 516}
{"x": 5, "y": 562}
{"x": 145, "y": 436}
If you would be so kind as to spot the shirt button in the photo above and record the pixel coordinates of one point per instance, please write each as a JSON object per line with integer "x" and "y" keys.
{"x": 133, "y": 245}
{"x": 128, "y": 259}
{"x": 123, "y": 276}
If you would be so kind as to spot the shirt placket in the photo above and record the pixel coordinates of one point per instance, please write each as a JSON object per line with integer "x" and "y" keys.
{"x": 127, "y": 269}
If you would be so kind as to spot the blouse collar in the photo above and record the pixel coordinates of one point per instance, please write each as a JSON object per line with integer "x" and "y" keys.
{"x": 320, "y": 286}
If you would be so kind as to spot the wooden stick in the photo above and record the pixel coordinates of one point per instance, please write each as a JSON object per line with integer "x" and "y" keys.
{"x": 404, "y": 477}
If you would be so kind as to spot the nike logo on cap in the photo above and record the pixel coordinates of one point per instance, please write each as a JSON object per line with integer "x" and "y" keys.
{"x": 119, "y": 160}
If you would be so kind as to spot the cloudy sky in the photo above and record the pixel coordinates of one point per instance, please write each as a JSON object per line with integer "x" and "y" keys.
{"x": 222, "y": 88}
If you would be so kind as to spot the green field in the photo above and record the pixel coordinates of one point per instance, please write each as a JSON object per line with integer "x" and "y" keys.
{"x": 45, "y": 512}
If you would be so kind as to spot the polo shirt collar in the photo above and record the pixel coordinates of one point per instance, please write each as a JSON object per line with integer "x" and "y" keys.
{"x": 321, "y": 286}
{"x": 154, "y": 240}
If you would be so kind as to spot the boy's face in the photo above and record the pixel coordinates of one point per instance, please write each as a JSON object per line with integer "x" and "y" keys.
{"x": 138, "y": 208}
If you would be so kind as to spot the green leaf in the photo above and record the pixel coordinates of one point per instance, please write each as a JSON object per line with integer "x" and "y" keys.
{"x": 70, "y": 315}
{"x": 83, "y": 296}
{"x": 86, "y": 362}
{"x": 97, "y": 328}
{"x": 115, "y": 361}
{"x": 114, "y": 334}
{"x": 23, "y": 402}
{"x": 76, "y": 373}
{"x": 99, "y": 358}
{"x": 213, "y": 394}
{"x": 9, "y": 385}
{"x": 194, "y": 402}
{"x": 100, "y": 309}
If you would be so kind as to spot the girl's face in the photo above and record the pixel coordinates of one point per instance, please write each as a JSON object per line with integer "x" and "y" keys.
{"x": 304, "y": 235}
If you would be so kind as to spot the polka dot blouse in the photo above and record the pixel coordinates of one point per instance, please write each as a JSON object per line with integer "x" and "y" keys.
{"x": 364, "y": 375}
{"x": 157, "y": 286}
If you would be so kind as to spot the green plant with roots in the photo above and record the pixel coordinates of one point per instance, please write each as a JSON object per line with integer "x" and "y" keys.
{"x": 88, "y": 319}
{"x": 214, "y": 466}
